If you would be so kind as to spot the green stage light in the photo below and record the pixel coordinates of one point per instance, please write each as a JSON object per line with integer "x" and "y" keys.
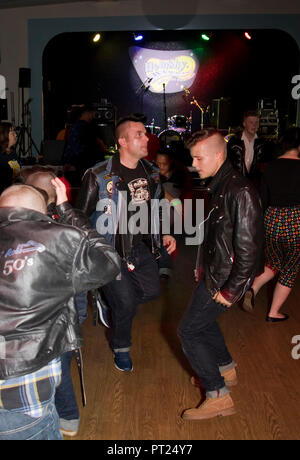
{"x": 205, "y": 37}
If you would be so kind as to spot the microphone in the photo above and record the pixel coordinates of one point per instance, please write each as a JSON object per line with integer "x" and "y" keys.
{"x": 142, "y": 85}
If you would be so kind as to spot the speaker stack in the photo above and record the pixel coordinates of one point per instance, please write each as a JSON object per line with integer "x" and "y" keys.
{"x": 105, "y": 118}
{"x": 268, "y": 118}
{"x": 220, "y": 113}
{"x": 24, "y": 77}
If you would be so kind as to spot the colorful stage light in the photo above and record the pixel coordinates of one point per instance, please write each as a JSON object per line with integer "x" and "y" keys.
{"x": 96, "y": 38}
{"x": 138, "y": 37}
{"x": 205, "y": 37}
{"x": 247, "y": 35}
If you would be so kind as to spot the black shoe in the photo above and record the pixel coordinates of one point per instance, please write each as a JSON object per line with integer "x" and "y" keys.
{"x": 271, "y": 319}
{"x": 248, "y": 302}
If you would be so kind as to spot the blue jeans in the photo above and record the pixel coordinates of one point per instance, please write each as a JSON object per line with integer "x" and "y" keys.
{"x": 19, "y": 427}
{"x": 124, "y": 295}
{"x": 65, "y": 398}
{"x": 202, "y": 340}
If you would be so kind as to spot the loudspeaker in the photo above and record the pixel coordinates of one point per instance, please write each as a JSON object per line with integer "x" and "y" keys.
{"x": 24, "y": 77}
{"x": 105, "y": 115}
{"x": 220, "y": 113}
{"x": 3, "y": 109}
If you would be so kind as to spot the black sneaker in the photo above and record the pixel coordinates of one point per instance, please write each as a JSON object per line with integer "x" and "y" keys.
{"x": 123, "y": 361}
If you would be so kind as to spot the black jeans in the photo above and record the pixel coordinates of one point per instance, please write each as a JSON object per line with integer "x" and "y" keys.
{"x": 202, "y": 340}
{"x": 135, "y": 287}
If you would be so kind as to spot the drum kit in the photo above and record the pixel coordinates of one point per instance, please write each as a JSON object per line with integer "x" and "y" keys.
{"x": 179, "y": 127}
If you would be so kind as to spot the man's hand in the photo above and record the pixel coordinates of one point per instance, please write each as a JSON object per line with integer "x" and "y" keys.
{"x": 170, "y": 243}
{"x": 220, "y": 299}
{"x": 61, "y": 193}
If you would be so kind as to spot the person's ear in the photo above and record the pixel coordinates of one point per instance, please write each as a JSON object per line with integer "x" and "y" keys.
{"x": 122, "y": 142}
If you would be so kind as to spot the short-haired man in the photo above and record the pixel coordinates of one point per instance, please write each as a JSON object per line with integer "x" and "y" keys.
{"x": 110, "y": 193}
{"x": 247, "y": 152}
{"x": 230, "y": 259}
{"x": 42, "y": 265}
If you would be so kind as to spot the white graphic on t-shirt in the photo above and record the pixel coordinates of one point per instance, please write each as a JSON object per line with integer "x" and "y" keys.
{"x": 139, "y": 190}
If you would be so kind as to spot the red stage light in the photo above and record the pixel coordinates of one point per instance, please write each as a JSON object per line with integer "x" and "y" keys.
{"x": 247, "y": 35}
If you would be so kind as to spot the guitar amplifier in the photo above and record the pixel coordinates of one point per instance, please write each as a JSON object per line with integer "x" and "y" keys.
{"x": 105, "y": 115}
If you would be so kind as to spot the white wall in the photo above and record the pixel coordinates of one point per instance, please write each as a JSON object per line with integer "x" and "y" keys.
{"x": 13, "y": 22}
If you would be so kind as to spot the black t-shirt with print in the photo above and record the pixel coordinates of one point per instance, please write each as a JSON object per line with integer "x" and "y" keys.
{"x": 138, "y": 202}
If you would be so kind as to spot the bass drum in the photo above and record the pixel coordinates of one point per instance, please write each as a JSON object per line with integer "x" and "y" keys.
{"x": 173, "y": 140}
{"x": 170, "y": 136}
{"x": 179, "y": 121}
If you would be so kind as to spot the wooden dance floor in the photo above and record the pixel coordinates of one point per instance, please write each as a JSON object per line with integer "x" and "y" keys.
{"x": 146, "y": 404}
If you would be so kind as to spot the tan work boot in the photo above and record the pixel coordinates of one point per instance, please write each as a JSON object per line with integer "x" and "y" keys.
{"x": 212, "y": 407}
{"x": 230, "y": 378}
{"x": 248, "y": 301}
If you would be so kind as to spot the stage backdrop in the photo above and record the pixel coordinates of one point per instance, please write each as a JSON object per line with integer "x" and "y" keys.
{"x": 164, "y": 72}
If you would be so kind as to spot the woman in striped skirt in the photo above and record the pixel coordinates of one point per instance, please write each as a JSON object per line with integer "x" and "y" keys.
{"x": 281, "y": 200}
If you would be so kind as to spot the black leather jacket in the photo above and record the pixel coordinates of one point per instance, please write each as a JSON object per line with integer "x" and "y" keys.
{"x": 43, "y": 264}
{"x": 261, "y": 155}
{"x": 95, "y": 188}
{"x": 233, "y": 236}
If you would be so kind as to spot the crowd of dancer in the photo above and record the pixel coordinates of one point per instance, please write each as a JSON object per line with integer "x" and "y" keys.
{"x": 54, "y": 252}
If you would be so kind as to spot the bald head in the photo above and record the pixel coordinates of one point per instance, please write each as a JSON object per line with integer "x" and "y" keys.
{"x": 42, "y": 180}
{"x": 23, "y": 196}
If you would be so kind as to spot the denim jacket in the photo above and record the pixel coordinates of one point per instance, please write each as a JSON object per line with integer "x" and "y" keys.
{"x": 101, "y": 198}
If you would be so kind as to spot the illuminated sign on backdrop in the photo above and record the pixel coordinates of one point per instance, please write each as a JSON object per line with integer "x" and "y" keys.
{"x": 174, "y": 69}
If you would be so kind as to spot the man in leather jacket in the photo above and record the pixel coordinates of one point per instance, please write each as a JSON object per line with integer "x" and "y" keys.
{"x": 107, "y": 194}
{"x": 65, "y": 397}
{"x": 43, "y": 264}
{"x": 247, "y": 152}
{"x": 230, "y": 258}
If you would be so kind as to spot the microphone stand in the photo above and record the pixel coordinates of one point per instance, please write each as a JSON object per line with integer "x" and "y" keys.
{"x": 143, "y": 92}
{"x": 24, "y": 133}
{"x": 165, "y": 113}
